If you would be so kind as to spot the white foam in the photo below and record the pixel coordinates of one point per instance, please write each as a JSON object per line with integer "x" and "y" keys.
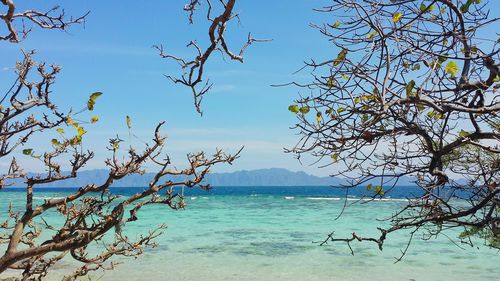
{"x": 324, "y": 198}
{"x": 289, "y": 197}
{"x": 46, "y": 198}
{"x": 378, "y": 199}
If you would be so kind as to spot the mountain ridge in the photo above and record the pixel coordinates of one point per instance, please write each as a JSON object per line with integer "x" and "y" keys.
{"x": 258, "y": 177}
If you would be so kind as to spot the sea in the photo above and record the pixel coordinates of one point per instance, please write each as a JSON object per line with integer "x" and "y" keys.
{"x": 272, "y": 233}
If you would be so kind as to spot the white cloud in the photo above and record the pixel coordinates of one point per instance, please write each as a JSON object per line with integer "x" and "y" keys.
{"x": 221, "y": 88}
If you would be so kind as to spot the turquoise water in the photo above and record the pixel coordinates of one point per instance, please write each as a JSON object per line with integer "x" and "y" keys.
{"x": 268, "y": 236}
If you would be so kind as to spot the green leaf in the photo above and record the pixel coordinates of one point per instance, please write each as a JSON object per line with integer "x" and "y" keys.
{"x": 340, "y": 110}
{"x": 304, "y": 109}
{"x": 127, "y": 119}
{"x": 336, "y": 24}
{"x": 331, "y": 82}
{"x": 409, "y": 88}
{"x": 369, "y": 187}
{"x": 95, "y": 95}
{"x": 27, "y": 151}
{"x": 371, "y": 34}
{"x": 483, "y": 232}
{"x": 335, "y": 157}
{"x": 293, "y": 108}
{"x": 463, "y": 134}
{"x": 115, "y": 144}
{"x": 76, "y": 140}
{"x": 94, "y": 119}
{"x": 397, "y": 17}
{"x": 55, "y": 142}
{"x": 451, "y": 68}
{"x": 60, "y": 130}
{"x": 91, "y": 101}
{"x": 379, "y": 190}
{"x": 80, "y": 131}
{"x": 465, "y": 7}
{"x": 426, "y": 9}
{"x": 438, "y": 116}
{"x": 340, "y": 57}
{"x": 90, "y": 105}
{"x": 416, "y": 67}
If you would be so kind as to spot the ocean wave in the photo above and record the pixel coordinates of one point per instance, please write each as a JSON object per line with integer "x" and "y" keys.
{"x": 324, "y": 198}
{"x": 378, "y": 199}
{"x": 289, "y": 197}
{"x": 353, "y": 199}
{"x": 46, "y": 197}
{"x": 392, "y": 199}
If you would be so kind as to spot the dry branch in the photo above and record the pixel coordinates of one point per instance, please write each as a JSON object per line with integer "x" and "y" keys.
{"x": 412, "y": 92}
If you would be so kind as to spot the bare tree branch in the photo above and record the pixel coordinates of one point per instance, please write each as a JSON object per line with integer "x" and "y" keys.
{"x": 55, "y": 18}
{"x": 412, "y": 91}
{"x": 193, "y": 69}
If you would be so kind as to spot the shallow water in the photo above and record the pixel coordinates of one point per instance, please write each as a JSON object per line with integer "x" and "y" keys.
{"x": 267, "y": 234}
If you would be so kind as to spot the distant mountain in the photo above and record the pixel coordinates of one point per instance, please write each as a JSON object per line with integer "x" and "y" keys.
{"x": 269, "y": 177}
{"x": 261, "y": 177}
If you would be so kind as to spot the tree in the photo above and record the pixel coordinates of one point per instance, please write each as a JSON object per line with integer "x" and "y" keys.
{"x": 193, "y": 69}
{"x": 411, "y": 91}
{"x": 92, "y": 217}
{"x": 54, "y": 18}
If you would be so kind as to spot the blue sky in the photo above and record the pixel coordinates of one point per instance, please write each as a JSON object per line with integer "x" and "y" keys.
{"x": 112, "y": 53}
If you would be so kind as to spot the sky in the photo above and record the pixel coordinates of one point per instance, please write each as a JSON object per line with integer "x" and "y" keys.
{"x": 113, "y": 53}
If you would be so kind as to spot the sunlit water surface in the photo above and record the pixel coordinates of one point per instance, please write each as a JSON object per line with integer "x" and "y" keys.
{"x": 267, "y": 234}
